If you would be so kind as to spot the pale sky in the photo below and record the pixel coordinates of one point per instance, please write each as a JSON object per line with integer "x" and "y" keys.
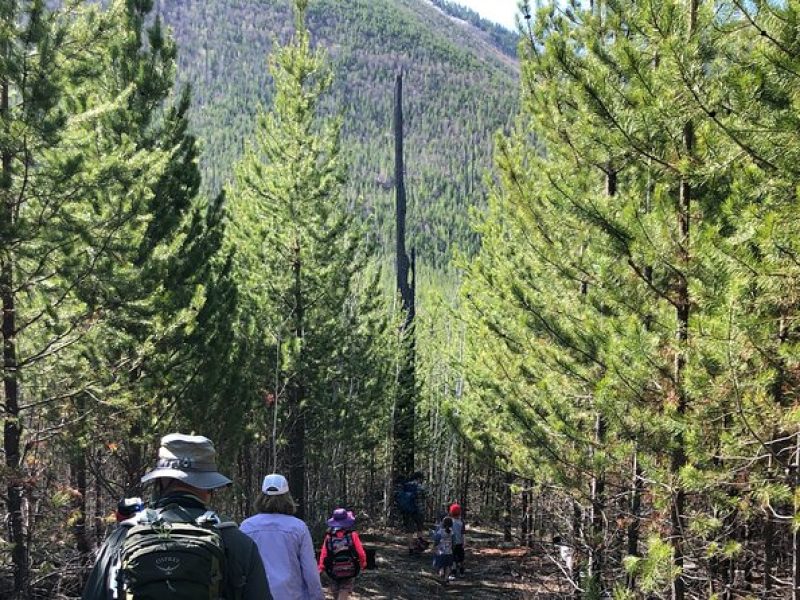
{"x": 500, "y": 11}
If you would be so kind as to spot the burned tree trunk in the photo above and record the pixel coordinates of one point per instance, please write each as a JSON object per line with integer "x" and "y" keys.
{"x": 405, "y": 401}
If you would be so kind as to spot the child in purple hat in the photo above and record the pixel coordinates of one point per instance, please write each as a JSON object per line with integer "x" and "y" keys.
{"x": 342, "y": 556}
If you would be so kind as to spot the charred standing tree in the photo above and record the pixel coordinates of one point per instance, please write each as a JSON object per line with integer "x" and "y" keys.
{"x": 405, "y": 401}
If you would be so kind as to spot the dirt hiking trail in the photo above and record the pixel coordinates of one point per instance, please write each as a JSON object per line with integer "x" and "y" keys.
{"x": 494, "y": 571}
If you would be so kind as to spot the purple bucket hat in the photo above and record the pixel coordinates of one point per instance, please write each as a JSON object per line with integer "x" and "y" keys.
{"x": 342, "y": 519}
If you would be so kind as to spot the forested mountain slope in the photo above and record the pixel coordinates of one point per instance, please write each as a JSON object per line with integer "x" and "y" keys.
{"x": 460, "y": 88}
{"x": 498, "y": 35}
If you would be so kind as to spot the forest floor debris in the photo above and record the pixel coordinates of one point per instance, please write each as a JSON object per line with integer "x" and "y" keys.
{"x": 493, "y": 572}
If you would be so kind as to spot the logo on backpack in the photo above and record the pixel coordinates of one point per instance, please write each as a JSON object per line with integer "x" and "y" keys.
{"x": 168, "y": 564}
{"x": 341, "y": 561}
{"x": 172, "y": 559}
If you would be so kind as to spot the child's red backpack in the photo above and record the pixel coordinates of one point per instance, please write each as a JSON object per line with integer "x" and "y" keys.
{"x": 341, "y": 559}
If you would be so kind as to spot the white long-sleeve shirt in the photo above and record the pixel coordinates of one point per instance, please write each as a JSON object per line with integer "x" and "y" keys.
{"x": 287, "y": 551}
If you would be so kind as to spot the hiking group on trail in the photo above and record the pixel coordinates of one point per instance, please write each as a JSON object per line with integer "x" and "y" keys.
{"x": 182, "y": 549}
{"x": 448, "y": 535}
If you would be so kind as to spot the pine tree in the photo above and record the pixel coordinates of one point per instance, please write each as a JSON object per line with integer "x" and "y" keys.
{"x": 626, "y": 91}
{"x": 298, "y": 250}
{"x": 98, "y": 182}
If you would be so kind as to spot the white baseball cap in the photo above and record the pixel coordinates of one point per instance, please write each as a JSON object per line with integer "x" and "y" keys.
{"x": 275, "y": 485}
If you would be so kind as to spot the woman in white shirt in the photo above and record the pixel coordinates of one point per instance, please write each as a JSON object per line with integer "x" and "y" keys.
{"x": 284, "y": 543}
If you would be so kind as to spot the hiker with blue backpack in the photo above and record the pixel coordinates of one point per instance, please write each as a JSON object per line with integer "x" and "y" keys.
{"x": 342, "y": 556}
{"x": 179, "y": 548}
{"x": 411, "y": 504}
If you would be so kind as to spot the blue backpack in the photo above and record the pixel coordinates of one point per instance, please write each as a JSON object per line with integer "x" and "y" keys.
{"x": 407, "y": 499}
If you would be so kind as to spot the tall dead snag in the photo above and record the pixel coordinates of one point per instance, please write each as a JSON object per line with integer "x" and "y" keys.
{"x": 405, "y": 400}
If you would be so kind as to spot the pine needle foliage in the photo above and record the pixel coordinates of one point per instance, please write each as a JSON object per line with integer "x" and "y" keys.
{"x": 630, "y": 271}
{"x": 300, "y": 255}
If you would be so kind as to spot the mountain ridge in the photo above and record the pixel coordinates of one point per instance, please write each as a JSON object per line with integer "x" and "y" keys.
{"x": 498, "y": 35}
{"x": 459, "y": 91}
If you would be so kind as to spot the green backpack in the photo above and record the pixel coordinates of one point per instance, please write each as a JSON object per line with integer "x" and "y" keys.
{"x": 180, "y": 560}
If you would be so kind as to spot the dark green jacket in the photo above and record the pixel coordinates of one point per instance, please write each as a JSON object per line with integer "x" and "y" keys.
{"x": 243, "y": 563}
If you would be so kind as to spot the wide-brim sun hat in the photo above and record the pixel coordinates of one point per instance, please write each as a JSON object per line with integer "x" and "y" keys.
{"x": 191, "y": 459}
{"x": 342, "y": 519}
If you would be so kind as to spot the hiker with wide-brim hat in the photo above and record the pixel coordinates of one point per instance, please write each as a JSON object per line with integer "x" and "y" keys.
{"x": 185, "y": 475}
{"x": 341, "y": 519}
{"x": 342, "y": 556}
{"x": 189, "y": 460}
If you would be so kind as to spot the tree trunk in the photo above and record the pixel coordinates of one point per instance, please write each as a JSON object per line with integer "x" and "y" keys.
{"x": 507, "y": 499}
{"x": 531, "y": 518}
{"x": 635, "y": 506}
{"x": 795, "y": 478}
{"x": 343, "y": 494}
{"x": 405, "y": 403}
{"x": 523, "y": 529}
{"x": 136, "y": 463}
{"x": 678, "y": 454}
{"x": 770, "y": 545}
{"x": 99, "y": 521}
{"x": 577, "y": 533}
{"x": 682, "y": 310}
{"x": 465, "y": 485}
{"x": 12, "y": 418}
{"x": 598, "y": 483}
{"x": 245, "y": 467}
{"x": 598, "y": 506}
{"x": 296, "y": 447}
{"x": 371, "y": 499}
{"x": 78, "y": 481}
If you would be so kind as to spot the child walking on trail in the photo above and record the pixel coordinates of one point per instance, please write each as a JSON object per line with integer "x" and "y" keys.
{"x": 342, "y": 556}
{"x": 443, "y": 553}
{"x": 458, "y": 539}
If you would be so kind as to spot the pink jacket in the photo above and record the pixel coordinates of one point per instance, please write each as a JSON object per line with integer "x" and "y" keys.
{"x": 362, "y": 556}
